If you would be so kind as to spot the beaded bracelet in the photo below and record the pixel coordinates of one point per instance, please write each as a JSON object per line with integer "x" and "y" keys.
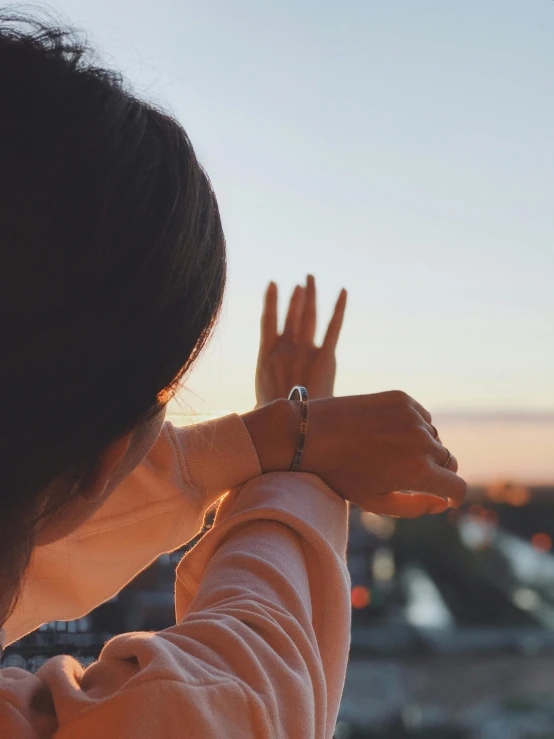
{"x": 303, "y": 393}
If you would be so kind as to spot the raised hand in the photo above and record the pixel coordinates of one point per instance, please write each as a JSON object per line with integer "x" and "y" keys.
{"x": 292, "y": 358}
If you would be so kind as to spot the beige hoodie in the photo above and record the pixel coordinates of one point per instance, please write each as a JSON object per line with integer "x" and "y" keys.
{"x": 262, "y": 630}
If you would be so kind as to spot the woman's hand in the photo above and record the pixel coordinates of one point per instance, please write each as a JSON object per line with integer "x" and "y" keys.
{"x": 367, "y": 448}
{"x": 291, "y": 358}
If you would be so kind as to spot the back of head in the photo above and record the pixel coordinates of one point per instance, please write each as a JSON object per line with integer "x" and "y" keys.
{"x": 112, "y": 268}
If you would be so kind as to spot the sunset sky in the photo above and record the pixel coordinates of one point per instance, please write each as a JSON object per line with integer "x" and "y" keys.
{"x": 402, "y": 150}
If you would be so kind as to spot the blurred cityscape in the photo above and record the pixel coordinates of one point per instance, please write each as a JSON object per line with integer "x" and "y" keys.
{"x": 452, "y": 620}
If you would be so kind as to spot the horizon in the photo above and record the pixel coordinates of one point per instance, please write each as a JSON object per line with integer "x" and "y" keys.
{"x": 514, "y": 415}
{"x": 489, "y": 447}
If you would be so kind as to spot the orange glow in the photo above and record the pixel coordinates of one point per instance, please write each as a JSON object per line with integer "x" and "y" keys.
{"x": 495, "y": 492}
{"x": 361, "y": 597}
{"x": 517, "y": 496}
{"x": 501, "y": 450}
{"x": 164, "y": 396}
{"x": 476, "y": 510}
{"x": 505, "y": 492}
{"x": 542, "y": 542}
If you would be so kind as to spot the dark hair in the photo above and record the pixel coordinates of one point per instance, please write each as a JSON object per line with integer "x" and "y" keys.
{"x": 112, "y": 269}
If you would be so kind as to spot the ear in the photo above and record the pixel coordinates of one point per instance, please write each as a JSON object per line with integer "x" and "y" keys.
{"x": 107, "y": 466}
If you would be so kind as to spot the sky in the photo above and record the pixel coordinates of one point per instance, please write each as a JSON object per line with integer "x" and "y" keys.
{"x": 401, "y": 149}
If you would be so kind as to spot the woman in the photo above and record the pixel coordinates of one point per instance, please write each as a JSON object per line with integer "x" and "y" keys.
{"x": 113, "y": 274}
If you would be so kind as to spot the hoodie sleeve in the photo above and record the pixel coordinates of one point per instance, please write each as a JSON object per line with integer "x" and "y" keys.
{"x": 259, "y": 650}
{"x": 158, "y": 508}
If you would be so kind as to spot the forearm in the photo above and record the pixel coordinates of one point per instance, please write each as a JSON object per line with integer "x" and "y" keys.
{"x": 262, "y": 607}
{"x": 215, "y": 456}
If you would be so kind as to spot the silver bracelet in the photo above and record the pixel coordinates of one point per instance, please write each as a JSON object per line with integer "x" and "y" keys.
{"x": 303, "y": 396}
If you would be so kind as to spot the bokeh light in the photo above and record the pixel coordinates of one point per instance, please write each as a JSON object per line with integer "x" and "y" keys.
{"x": 381, "y": 526}
{"x": 526, "y": 599}
{"x": 383, "y": 566}
{"x": 361, "y": 597}
{"x": 506, "y": 492}
{"x": 542, "y": 542}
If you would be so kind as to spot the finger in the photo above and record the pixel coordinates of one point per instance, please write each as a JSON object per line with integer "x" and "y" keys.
{"x": 293, "y": 314}
{"x": 268, "y": 327}
{"x": 423, "y": 412}
{"x": 335, "y": 324}
{"x": 407, "y": 505}
{"x": 447, "y": 460}
{"x": 309, "y": 317}
{"x": 434, "y": 433}
{"x": 442, "y": 456}
{"x": 445, "y": 483}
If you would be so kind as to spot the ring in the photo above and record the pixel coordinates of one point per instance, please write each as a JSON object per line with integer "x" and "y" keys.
{"x": 436, "y": 432}
{"x": 450, "y": 458}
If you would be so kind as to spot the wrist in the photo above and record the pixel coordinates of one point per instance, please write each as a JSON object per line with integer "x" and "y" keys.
{"x": 274, "y": 429}
{"x": 218, "y": 454}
